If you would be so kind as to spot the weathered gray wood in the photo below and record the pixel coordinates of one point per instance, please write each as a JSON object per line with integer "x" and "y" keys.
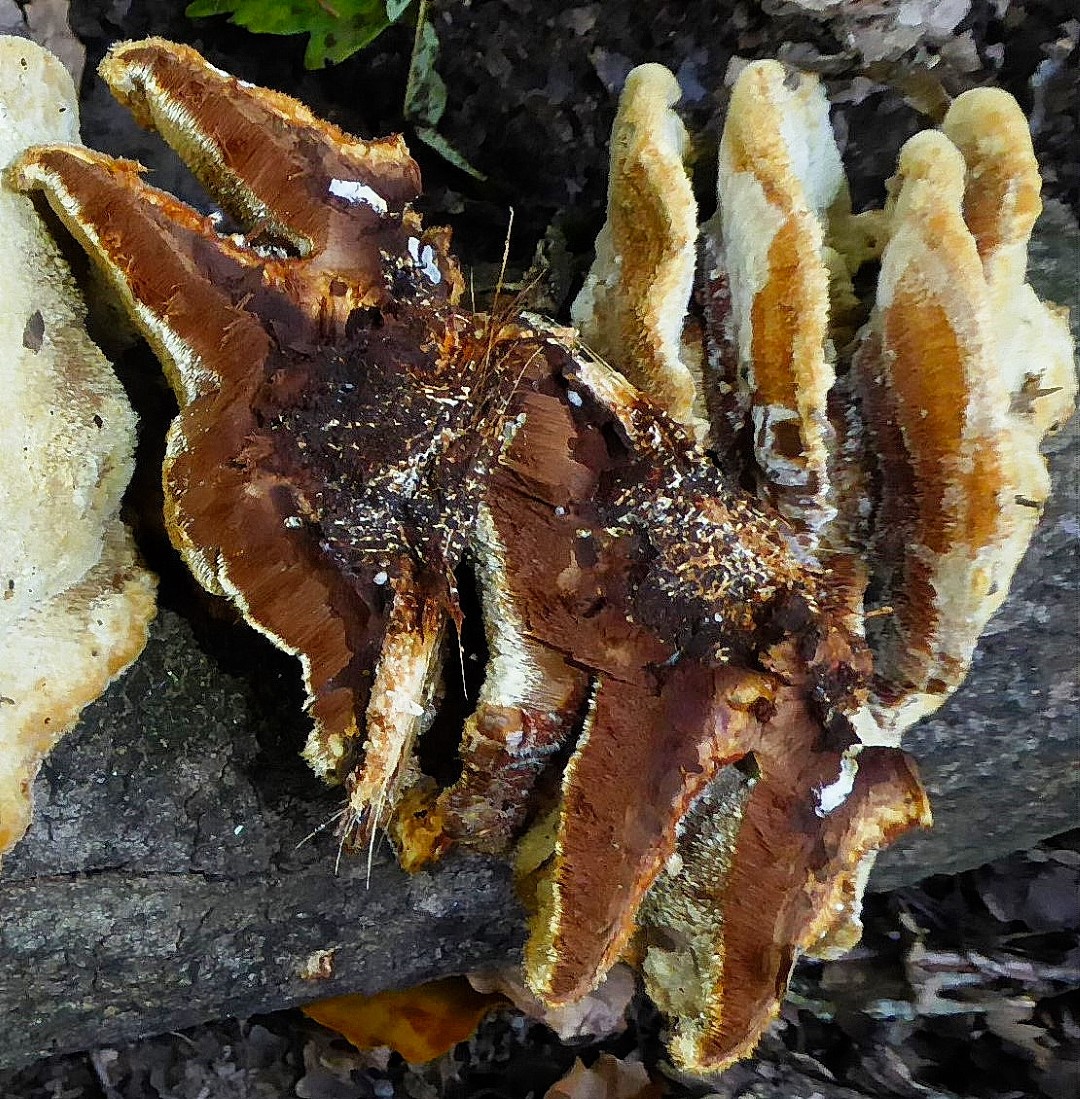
{"x": 162, "y": 883}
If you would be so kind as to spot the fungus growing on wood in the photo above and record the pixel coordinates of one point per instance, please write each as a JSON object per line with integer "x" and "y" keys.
{"x": 75, "y": 602}
{"x": 683, "y": 734}
{"x": 962, "y": 371}
{"x": 632, "y": 306}
{"x": 778, "y": 320}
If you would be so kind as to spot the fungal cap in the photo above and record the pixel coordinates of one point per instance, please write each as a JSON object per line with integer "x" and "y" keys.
{"x": 631, "y": 309}
{"x": 76, "y": 604}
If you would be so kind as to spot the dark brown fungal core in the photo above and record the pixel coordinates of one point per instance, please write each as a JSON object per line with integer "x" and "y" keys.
{"x": 675, "y": 731}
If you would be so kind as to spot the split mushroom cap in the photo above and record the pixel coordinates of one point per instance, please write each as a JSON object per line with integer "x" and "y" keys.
{"x": 632, "y": 307}
{"x": 762, "y": 874}
{"x": 76, "y": 603}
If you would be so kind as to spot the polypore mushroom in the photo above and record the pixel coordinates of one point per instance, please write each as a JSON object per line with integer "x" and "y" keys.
{"x": 962, "y": 371}
{"x": 775, "y": 287}
{"x": 76, "y": 603}
{"x": 677, "y": 730}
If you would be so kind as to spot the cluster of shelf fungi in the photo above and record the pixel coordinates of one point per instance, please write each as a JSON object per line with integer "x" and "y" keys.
{"x": 732, "y": 536}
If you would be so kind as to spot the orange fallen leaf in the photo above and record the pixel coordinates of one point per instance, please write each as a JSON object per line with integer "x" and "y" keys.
{"x": 420, "y": 1023}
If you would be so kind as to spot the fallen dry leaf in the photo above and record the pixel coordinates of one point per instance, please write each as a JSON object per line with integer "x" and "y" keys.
{"x": 609, "y": 1078}
{"x": 419, "y": 1023}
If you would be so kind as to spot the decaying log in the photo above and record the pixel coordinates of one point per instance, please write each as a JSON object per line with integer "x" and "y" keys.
{"x": 161, "y": 883}
{"x": 164, "y": 881}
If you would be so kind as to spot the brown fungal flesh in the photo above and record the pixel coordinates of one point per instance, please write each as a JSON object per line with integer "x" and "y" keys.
{"x": 678, "y": 726}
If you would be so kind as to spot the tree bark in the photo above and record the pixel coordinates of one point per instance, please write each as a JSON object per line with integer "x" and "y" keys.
{"x": 166, "y": 879}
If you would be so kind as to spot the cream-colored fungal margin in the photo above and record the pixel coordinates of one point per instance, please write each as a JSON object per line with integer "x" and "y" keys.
{"x": 205, "y": 563}
{"x": 324, "y": 749}
{"x": 74, "y": 602}
{"x": 615, "y": 393}
{"x": 400, "y": 705}
{"x": 972, "y": 415}
{"x": 543, "y": 947}
{"x": 779, "y": 179}
{"x": 632, "y": 307}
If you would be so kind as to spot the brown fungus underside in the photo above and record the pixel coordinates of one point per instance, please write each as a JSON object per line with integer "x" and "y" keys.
{"x": 350, "y": 437}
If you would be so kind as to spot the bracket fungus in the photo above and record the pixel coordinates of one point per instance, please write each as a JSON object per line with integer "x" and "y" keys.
{"x": 684, "y": 733}
{"x": 76, "y": 603}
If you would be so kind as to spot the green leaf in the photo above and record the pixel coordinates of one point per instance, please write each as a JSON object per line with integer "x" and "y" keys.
{"x": 336, "y": 28}
{"x": 447, "y": 151}
{"x": 425, "y": 94}
{"x": 425, "y": 90}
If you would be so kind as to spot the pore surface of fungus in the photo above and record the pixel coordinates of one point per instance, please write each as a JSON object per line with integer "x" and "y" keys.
{"x": 682, "y": 732}
{"x": 75, "y": 604}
